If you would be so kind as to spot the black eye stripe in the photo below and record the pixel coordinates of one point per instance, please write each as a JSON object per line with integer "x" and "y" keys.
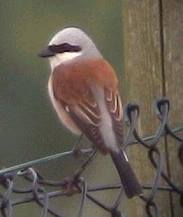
{"x": 65, "y": 47}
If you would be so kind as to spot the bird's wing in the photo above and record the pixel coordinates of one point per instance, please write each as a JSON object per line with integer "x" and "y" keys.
{"x": 114, "y": 105}
{"x": 78, "y": 100}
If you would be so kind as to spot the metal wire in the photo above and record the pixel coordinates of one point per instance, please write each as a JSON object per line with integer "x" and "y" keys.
{"x": 37, "y": 190}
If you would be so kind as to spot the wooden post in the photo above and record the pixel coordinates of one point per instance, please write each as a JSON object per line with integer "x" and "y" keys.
{"x": 172, "y": 32}
{"x": 143, "y": 83}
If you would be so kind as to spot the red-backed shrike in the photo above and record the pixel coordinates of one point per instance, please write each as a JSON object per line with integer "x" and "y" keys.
{"x": 83, "y": 88}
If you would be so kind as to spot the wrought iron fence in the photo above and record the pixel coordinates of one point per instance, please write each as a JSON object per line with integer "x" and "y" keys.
{"x": 37, "y": 191}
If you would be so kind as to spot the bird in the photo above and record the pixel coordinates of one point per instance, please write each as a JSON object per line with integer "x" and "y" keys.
{"x": 83, "y": 88}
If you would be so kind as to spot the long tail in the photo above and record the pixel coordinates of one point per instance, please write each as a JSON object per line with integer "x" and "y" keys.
{"x": 127, "y": 176}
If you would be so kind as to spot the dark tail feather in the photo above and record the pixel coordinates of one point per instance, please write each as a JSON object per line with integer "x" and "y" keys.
{"x": 127, "y": 176}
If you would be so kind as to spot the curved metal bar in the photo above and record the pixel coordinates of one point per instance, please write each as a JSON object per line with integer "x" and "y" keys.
{"x": 38, "y": 188}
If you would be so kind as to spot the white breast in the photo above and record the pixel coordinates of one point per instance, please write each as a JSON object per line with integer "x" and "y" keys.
{"x": 62, "y": 114}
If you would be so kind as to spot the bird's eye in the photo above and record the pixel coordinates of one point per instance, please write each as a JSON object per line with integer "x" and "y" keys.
{"x": 65, "y": 47}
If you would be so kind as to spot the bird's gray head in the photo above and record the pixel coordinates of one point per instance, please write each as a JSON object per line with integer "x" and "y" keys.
{"x": 70, "y": 44}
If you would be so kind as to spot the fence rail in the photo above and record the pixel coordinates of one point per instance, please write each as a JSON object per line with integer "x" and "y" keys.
{"x": 38, "y": 192}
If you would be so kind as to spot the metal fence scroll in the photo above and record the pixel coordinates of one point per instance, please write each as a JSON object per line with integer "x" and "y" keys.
{"x": 37, "y": 190}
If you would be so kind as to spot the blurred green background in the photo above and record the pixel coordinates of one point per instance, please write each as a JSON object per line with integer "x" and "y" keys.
{"x": 29, "y": 127}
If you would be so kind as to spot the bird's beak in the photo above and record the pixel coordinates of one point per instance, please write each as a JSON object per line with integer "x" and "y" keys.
{"x": 46, "y": 52}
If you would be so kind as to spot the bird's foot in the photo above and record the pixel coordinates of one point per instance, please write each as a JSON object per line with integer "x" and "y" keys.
{"x": 70, "y": 186}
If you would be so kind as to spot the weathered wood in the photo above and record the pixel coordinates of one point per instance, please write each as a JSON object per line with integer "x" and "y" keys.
{"x": 142, "y": 82}
{"x": 172, "y": 15}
